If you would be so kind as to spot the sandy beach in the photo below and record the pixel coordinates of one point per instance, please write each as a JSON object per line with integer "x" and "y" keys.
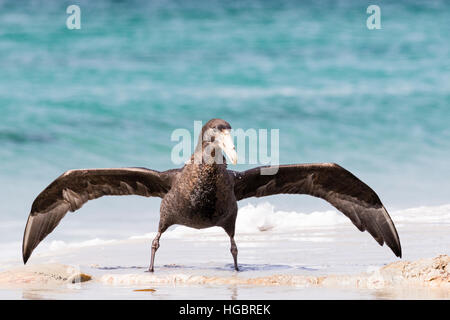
{"x": 322, "y": 257}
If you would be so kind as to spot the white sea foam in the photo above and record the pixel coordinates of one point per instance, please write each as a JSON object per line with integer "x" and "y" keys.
{"x": 263, "y": 218}
{"x": 261, "y": 221}
{"x": 58, "y": 244}
{"x": 436, "y": 214}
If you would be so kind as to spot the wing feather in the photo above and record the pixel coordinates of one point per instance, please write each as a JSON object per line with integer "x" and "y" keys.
{"x": 330, "y": 182}
{"x": 74, "y": 188}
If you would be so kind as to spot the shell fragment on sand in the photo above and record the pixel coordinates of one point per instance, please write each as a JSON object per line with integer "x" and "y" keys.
{"x": 144, "y": 290}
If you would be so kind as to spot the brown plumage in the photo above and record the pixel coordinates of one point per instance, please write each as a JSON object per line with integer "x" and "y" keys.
{"x": 204, "y": 193}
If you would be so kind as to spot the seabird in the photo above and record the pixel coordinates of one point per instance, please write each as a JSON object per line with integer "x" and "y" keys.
{"x": 204, "y": 193}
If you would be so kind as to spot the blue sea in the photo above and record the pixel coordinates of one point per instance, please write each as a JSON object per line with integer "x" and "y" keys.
{"x": 111, "y": 93}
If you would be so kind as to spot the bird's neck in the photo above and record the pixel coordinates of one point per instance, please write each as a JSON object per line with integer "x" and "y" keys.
{"x": 201, "y": 162}
{"x": 207, "y": 156}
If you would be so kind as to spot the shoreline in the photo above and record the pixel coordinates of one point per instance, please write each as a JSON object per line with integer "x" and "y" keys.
{"x": 428, "y": 277}
{"x": 301, "y": 256}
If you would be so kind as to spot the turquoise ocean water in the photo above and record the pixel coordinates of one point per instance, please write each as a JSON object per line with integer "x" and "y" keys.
{"x": 110, "y": 94}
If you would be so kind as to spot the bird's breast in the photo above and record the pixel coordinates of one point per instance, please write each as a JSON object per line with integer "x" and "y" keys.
{"x": 201, "y": 198}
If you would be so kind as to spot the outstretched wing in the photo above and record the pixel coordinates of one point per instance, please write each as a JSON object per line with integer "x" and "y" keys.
{"x": 75, "y": 187}
{"x": 330, "y": 182}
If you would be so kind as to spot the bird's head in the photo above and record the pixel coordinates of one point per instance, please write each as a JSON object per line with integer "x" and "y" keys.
{"x": 216, "y": 135}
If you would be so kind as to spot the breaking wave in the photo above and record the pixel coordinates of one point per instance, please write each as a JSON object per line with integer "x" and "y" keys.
{"x": 263, "y": 220}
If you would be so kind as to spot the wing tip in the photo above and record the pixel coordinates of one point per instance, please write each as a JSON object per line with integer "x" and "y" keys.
{"x": 396, "y": 248}
{"x": 397, "y": 251}
{"x": 26, "y": 252}
{"x": 392, "y": 240}
{"x": 25, "y": 257}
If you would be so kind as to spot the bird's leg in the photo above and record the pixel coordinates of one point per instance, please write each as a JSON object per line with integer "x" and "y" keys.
{"x": 234, "y": 252}
{"x": 155, "y": 246}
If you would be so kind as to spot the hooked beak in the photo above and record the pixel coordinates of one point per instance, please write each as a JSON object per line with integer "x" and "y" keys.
{"x": 227, "y": 145}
